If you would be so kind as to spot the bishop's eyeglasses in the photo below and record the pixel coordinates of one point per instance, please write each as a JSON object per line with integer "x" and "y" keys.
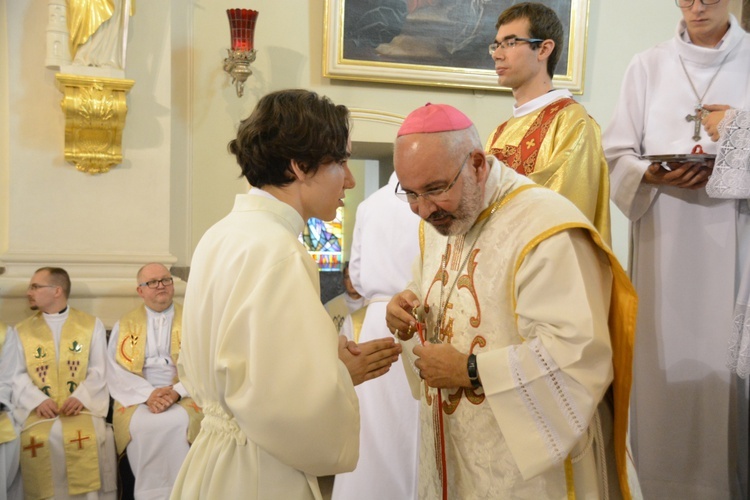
{"x": 433, "y": 195}
{"x": 155, "y": 283}
{"x": 686, "y": 4}
{"x": 511, "y": 42}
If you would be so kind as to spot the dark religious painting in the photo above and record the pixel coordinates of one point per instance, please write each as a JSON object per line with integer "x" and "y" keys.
{"x": 436, "y": 42}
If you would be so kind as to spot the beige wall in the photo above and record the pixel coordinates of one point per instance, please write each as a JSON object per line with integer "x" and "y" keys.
{"x": 178, "y": 178}
{"x": 290, "y": 55}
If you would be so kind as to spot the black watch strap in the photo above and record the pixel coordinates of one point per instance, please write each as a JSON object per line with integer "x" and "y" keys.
{"x": 471, "y": 366}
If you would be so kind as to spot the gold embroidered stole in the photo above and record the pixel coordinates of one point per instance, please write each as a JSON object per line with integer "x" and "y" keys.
{"x": 7, "y": 431}
{"x": 58, "y": 379}
{"x": 131, "y": 355}
{"x": 522, "y": 157}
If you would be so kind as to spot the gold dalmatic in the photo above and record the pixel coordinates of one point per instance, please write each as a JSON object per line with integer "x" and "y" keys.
{"x": 58, "y": 379}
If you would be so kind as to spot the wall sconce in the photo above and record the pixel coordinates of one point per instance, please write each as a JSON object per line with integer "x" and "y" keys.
{"x": 242, "y": 53}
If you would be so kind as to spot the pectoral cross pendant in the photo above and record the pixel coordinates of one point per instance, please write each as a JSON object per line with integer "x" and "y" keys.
{"x": 436, "y": 333}
{"x": 699, "y": 112}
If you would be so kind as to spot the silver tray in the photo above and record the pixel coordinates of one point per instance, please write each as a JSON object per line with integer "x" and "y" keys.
{"x": 679, "y": 158}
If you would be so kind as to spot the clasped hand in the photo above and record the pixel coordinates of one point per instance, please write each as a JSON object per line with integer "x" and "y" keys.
{"x": 368, "y": 360}
{"x": 48, "y": 408}
{"x": 161, "y": 399}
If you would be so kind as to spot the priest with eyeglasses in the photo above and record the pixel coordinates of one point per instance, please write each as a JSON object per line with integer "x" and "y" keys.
{"x": 155, "y": 419}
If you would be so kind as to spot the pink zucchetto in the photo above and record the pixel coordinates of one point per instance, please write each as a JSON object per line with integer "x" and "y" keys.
{"x": 434, "y": 118}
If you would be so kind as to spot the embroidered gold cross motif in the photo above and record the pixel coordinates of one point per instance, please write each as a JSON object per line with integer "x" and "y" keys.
{"x": 33, "y": 446}
{"x": 530, "y": 143}
{"x": 80, "y": 440}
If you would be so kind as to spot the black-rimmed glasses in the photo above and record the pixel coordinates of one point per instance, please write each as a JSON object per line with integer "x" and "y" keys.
{"x": 155, "y": 283}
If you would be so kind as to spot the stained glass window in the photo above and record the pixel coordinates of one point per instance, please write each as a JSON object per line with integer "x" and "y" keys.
{"x": 324, "y": 241}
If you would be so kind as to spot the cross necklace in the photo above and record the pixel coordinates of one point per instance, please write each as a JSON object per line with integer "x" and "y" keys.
{"x": 699, "y": 111}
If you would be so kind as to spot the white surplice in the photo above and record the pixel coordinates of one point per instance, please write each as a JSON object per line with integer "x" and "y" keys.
{"x": 384, "y": 246}
{"x": 10, "y": 470}
{"x": 259, "y": 355}
{"x": 92, "y": 392}
{"x": 158, "y": 443}
{"x": 684, "y": 264}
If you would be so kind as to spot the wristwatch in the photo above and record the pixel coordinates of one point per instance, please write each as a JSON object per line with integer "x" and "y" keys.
{"x": 471, "y": 366}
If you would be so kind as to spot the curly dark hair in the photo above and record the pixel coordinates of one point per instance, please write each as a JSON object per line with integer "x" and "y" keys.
{"x": 543, "y": 23}
{"x": 288, "y": 125}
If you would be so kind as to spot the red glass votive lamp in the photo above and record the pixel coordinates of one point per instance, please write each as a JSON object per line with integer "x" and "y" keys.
{"x": 242, "y": 28}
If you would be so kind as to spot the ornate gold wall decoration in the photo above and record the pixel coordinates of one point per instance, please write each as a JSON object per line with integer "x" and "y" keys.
{"x": 95, "y": 110}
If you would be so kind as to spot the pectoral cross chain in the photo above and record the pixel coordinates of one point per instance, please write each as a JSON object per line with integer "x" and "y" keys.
{"x": 699, "y": 112}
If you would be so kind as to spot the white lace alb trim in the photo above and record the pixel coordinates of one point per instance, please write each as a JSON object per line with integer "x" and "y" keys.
{"x": 731, "y": 174}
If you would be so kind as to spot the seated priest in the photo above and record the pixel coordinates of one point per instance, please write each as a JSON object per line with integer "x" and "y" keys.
{"x": 155, "y": 420}
{"x": 10, "y": 472}
{"x": 60, "y": 393}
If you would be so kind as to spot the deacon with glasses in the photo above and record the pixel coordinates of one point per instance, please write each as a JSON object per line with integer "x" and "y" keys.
{"x": 551, "y": 139}
{"x": 686, "y": 252}
{"x": 519, "y": 327}
{"x": 154, "y": 418}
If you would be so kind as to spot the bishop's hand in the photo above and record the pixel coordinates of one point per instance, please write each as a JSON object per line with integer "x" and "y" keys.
{"x": 399, "y": 314}
{"x": 442, "y": 366}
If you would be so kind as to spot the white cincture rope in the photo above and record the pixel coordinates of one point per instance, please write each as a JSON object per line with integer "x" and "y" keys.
{"x": 84, "y": 412}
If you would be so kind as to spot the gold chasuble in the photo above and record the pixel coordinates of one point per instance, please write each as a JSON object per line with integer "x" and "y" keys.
{"x": 559, "y": 146}
{"x": 58, "y": 379}
{"x": 131, "y": 355}
{"x": 7, "y": 431}
{"x": 528, "y": 431}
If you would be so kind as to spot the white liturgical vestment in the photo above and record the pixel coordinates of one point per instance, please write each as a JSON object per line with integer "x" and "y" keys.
{"x": 159, "y": 441}
{"x": 529, "y": 292}
{"x": 10, "y": 472}
{"x": 92, "y": 392}
{"x": 384, "y": 246}
{"x": 686, "y": 250}
{"x": 260, "y": 356}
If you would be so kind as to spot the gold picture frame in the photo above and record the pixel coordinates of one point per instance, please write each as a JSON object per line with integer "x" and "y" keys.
{"x": 441, "y": 43}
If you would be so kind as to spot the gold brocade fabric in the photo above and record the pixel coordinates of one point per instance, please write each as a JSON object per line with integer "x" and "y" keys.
{"x": 7, "y": 432}
{"x": 81, "y": 456}
{"x": 131, "y": 342}
{"x": 131, "y": 355}
{"x": 570, "y": 160}
{"x": 58, "y": 379}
